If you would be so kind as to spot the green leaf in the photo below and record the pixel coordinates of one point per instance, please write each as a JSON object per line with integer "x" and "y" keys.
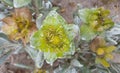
{"x": 39, "y": 60}
{"x": 22, "y": 66}
{"x": 73, "y": 31}
{"x": 70, "y": 70}
{"x": 20, "y": 3}
{"x": 5, "y": 56}
{"x": 50, "y": 57}
{"x": 2, "y": 35}
{"x": 76, "y": 63}
{"x": 36, "y": 55}
{"x": 59, "y": 70}
{"x": 8, "y": 2}
{"x": 85, "y": 70}
{"x": 39, "y": 20}
{"x": 87, "y": 15}
{"x": 54, "y": 18}
{"x": 86, "y": 33}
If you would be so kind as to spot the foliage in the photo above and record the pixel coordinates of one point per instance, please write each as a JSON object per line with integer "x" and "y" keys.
{"x": 37, "y": 28}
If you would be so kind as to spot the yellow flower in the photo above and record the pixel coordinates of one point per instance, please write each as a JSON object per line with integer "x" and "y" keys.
{"x": 95, "y": 21}
{"x": 19, "y": 25}
{"x": 100, "y": 51}
{"x": 39, "y": 71}
{"x": 53, "y": 38}
{"x": 103, "y": 52}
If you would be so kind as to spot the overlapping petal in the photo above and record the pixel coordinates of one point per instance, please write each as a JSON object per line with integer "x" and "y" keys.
{"x": 19, "y": 25}
{"x": 53, "y": 38}
{"x": 102, "y": 50}
{"x": 95, "y": 21}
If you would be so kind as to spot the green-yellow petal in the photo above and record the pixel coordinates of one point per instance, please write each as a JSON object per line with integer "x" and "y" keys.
{"x": 109, "y": 49}
{"x": 97, "y": 18}
{"x": 86, "y": 33}
{"x": 108, "y": 56}
{"x": 102, "y": 61}
{"x": 52, "y": 38}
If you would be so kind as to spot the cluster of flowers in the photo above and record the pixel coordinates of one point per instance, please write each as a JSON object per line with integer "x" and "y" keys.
{"x": 56, "y": 39}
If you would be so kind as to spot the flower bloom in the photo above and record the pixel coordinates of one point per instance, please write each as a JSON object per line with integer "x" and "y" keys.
{"x": 95, "y": 21}
{"x": 19, "y": 25}
{"x": 52, "y": 38}
{"x": 103, "y": 52}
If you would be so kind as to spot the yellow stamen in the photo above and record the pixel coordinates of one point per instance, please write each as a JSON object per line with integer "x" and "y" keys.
{"x": 100, "y": 51}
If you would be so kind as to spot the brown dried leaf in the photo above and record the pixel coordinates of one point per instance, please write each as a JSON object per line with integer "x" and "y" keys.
{"x": 96, "y": 43}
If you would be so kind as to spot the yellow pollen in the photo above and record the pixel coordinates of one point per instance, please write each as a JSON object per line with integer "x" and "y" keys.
{"x": 55, "y": 40}
{"x": 100, "y": 51}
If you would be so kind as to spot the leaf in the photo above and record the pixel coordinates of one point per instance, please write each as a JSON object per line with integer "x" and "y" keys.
{"x": 39, "y": 61}
{"x": 39, "y": 20}
{"x": 86, "y": 33}
{"x": 22, "y": 66}
{"x": 54, "y": 18}
{"x": 2, "y": 35}
{"x": 84, "y": 14}
{"x": 73, "y": 31}
{"x": 4, "y": 57}
{"x": 3, "y": 42}
{"x": 70, "y": 70}
{"x": 31, "y": 52}
{"x": 88, "y": 15}
{"x": 38, "y": 3}
{"x": 111, "y": 40}
{"x": 20, "y": 3}
{"x": 47, "y": 5}
{"x": 77, "y": 20}
{"x": 9, "y": 2}
{"x": 100, "y": 70}
{"x": 76, "y": 63}
{"x": 58, "y": 70}
{"x": 115, "y": 68}
{"x": 50, "y": 57}
{"x": 36, "y": 55}
{"x": 85, "y": 70}
{"x": 2, "y": 15}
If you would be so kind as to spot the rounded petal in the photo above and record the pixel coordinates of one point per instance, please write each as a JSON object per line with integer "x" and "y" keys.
{"x": 23, "y": 12}
{"x": 52, "y": 38}
{"x": 54, "y": 18}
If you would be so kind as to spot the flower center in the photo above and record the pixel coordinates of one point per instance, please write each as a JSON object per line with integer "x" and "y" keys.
{"x": 100, "y": 51}
{"x": 22, "y": 23}
{"x": 55, "y": 40}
